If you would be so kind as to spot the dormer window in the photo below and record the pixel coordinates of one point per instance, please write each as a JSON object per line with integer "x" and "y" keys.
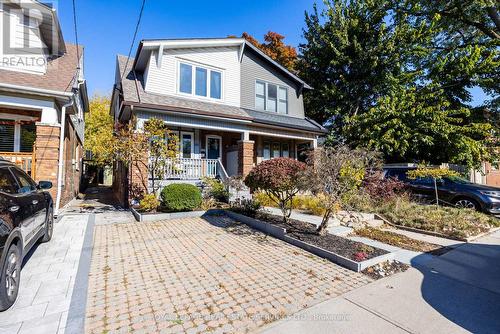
{"x": 271, "y": 97}
{"x": 200, "y": 81}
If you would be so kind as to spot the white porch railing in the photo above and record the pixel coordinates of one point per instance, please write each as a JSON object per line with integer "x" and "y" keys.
{"x": 190, "y": 169}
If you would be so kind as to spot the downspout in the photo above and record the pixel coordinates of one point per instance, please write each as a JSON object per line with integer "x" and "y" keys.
{"x": 61, "y": 155}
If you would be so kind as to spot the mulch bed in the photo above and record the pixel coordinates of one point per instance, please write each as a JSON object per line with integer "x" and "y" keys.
{"x": 306, "y": 232}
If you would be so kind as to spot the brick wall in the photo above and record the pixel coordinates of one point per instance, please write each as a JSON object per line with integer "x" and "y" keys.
{"x": 47, "y": 154}
{"x": 492, "y": 176}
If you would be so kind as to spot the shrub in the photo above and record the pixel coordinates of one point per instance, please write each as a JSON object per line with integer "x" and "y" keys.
{"x": 246, "y": 207}
{"x": 452, "y": 222}
{"x": 280, "y": 178}
{"x": 181, "y": 197}
{"x": 149, "y": 203}
{"x": 215, "y": 189}
{"x": 382, "y": 189}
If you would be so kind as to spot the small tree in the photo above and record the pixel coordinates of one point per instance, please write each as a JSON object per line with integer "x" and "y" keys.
{"x": 281, "y": 179}
{"x": 162, "y": 146}
{"x": 435, "y": 173}
{"x": 146, "y": 150}
{"x": 337, "y": 172}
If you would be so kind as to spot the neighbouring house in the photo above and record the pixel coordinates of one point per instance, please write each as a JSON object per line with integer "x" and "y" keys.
{"x": 43, "y": 97}
{"x": 489, "y": 174}
{"x": 230, "y": 104}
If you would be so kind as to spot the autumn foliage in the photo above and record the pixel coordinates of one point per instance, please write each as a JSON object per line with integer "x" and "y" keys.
{"x": 274, "y": 47}
{"x": 280, "y": 178}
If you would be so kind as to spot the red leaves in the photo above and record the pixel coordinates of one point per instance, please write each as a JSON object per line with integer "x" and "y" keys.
{"x": 280, "y": 174}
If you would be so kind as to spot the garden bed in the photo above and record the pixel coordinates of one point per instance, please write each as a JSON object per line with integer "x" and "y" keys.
{"x": 307, "y": 232}
{"x": 347, "y": 253}
{"x": 157, "y": 216}
{"x": 398, "y": 240}
{"x": 445, "y": 222}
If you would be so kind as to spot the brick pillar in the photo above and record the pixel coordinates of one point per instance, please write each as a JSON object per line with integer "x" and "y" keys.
{"x": 47, "y": 155}
{"x": 138, "y": 178}
{"x": 245, "y": 156}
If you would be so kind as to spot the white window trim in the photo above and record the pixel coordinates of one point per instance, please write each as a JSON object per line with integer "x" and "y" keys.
{"x": 266, "y": 84}
{"x": 209, "y": 70}
{"x": 206, "y": 145}
{"x": 181, "y": 146}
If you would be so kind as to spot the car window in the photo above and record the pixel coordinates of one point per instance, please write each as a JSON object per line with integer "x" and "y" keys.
{"x": 25, "y": 183}
{"x": 424, "y": 181}
{"x": 7, "y": 182}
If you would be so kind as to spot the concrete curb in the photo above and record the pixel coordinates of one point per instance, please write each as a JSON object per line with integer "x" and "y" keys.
{"x": 76, "y": 317}
{"x": 152, "y": 217}
{"x": 280, "y": 233}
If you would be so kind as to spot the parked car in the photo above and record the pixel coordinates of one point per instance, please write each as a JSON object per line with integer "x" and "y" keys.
{"x": 26, "y": 217}
{"x": 452, "y": 190}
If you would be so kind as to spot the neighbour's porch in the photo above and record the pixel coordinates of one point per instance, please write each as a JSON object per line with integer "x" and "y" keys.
{"x": 18, "y": 137}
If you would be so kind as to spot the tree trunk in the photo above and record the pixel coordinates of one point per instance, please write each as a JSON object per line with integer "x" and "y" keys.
{"x": 322, "y": 228}
{"x": 436, "y": 190}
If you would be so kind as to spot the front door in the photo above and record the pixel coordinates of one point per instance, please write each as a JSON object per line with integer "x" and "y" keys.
{"x": 213, "y": 153}
{"x": 213, "y": 147}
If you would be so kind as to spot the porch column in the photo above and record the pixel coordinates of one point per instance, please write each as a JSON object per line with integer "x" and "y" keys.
{"x": 138, "y": 178}
{"x": 245, "y": 156}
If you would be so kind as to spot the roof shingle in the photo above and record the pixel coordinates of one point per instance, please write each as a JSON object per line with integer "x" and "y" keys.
{"x": 60, "y": 75}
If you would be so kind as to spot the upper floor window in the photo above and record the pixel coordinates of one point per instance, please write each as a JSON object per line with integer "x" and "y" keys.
{"x": 271, "y": 97}
{"x": 200, "y": 81}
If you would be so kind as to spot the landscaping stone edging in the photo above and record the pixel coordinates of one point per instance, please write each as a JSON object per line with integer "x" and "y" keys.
{"x": 152, "y": 217}
{"x": 280, "y": 233}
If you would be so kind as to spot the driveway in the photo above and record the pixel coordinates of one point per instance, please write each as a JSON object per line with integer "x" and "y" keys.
{"x": 48, "y": 279}
{"x": 199, "y": 275}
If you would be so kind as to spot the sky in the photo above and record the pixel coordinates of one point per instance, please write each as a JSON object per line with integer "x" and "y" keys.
{"x": 106, "y": 27}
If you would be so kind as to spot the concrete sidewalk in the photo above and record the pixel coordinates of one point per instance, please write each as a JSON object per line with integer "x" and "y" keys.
{"x": 455, "y": 293}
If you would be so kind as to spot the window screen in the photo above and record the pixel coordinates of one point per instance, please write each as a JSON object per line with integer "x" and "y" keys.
{"x": 6, "y": 135}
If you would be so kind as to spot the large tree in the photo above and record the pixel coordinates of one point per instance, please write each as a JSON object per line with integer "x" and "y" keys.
{"x": 275, "y": 47}
{"x": 99, "y": 131}
{"x": 394, "y": 75}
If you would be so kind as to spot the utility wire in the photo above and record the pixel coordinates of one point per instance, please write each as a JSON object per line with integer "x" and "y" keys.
{"x": 133, "y": 39}
{"x": 76, "y": 36}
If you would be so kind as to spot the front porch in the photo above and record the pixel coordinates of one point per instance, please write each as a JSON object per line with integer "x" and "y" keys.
{"x": 219, "y": 154}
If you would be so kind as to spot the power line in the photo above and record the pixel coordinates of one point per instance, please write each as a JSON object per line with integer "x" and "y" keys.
{"x": 133, "y": 39}
{"x": 76, "y": 36}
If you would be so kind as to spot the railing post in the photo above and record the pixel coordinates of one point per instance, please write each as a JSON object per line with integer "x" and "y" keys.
{"x": 33, "y": 163}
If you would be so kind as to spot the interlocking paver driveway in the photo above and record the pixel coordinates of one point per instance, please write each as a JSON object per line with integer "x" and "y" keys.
{"x": 199, "y": 275}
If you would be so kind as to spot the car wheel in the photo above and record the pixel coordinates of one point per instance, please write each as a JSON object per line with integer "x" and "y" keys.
{"x": 466, "y": 203}
{"x": 49, "y": 226}
{"x": 10, "y": 278}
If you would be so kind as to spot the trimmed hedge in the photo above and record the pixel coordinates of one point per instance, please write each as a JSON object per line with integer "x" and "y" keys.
{"x": 180, "y": 197}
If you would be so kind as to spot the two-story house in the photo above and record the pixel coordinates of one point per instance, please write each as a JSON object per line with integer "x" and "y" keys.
{"x": 43, "y": 97}
{"x": 230, "y": 104}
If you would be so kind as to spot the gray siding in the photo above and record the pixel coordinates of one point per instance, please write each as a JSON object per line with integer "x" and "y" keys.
{"x": 253, "y": 68}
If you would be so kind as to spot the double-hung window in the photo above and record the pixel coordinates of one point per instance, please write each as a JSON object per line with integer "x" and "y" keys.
{"x": 200, "y": 81}
{"x": 271, "y": 97}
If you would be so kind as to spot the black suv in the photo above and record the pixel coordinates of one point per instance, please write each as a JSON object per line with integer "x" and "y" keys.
{"x": 453, "y": 190}
{"x": 26, "y": 216}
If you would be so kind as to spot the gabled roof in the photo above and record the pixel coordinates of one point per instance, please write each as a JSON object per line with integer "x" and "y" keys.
{"x": 134, "y": 94}
{"x": 147, "y": 45}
